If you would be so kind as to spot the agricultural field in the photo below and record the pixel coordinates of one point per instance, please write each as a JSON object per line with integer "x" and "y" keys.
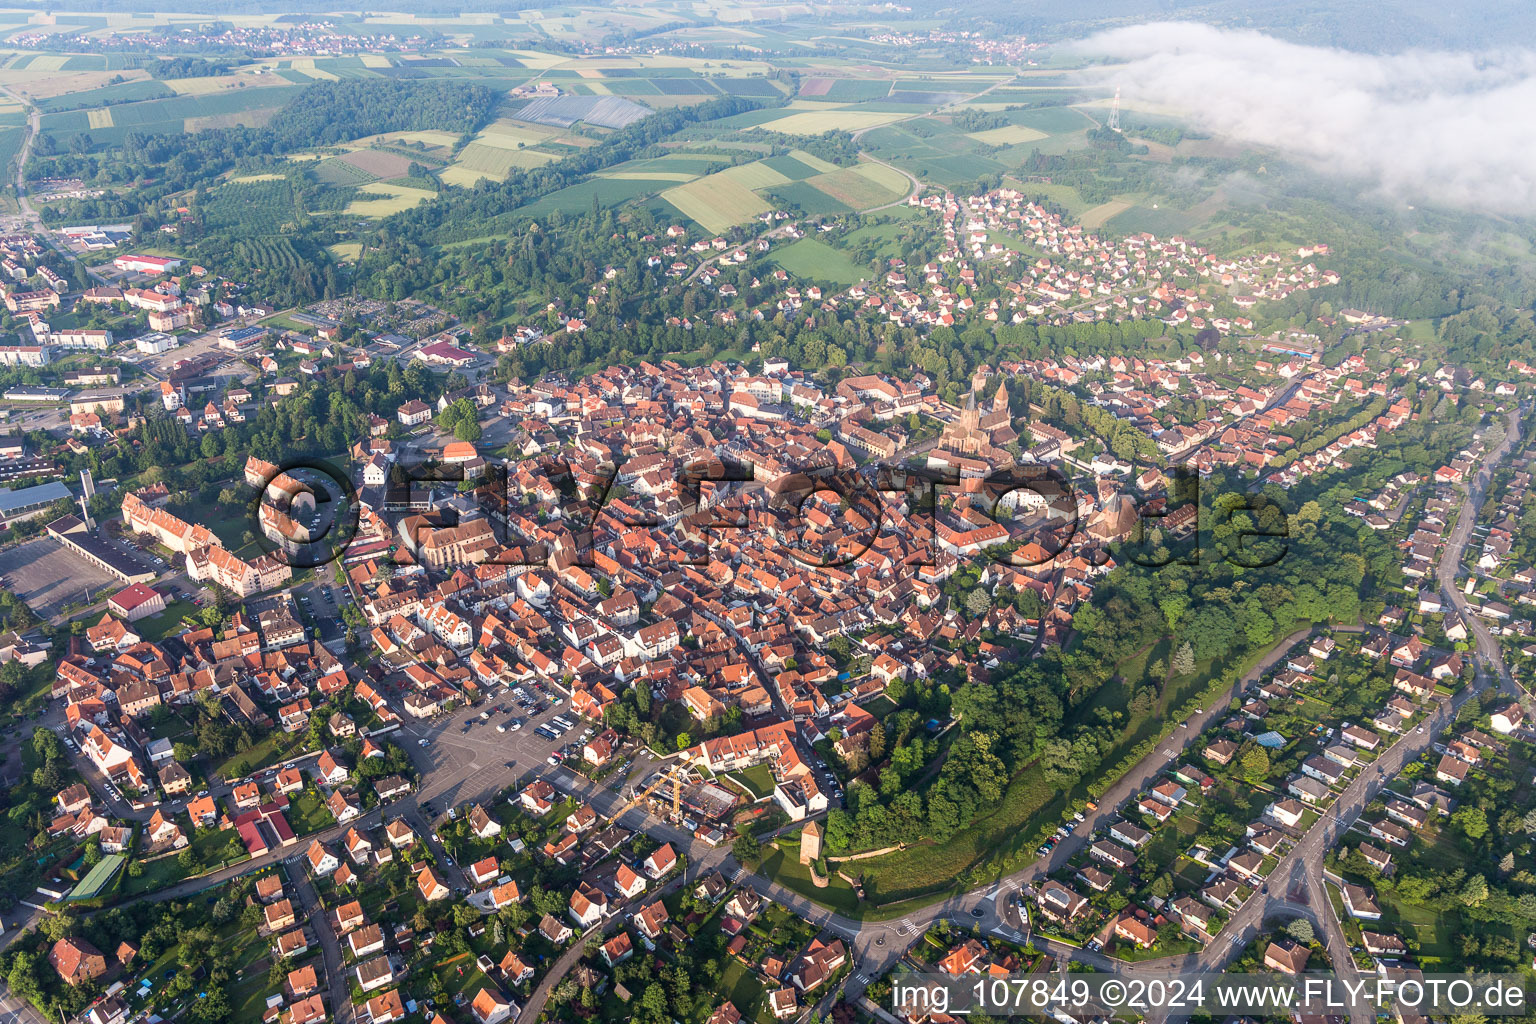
{"x": 814, "y": 122}
{"x": 384, "y": 199}
{"x": 1008, "y": 135}
{"x": 478, "y": 160}
{"x": 863, "y": 186}
{"x": 716, "y": 202}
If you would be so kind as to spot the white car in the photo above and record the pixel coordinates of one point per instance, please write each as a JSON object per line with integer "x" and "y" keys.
{"x": 423, "y": 742}
{"x": 502, "y": 727}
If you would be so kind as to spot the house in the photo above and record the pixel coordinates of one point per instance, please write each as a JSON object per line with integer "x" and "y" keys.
{"x": 290, "y": 943}
{"x": 1154, "y": 809}
{"x": 111, "y": 1010}
{"x": 483, "y": 824}
{"x": 505, "y": 895}
{"x": 538, "y": 798}
{"x": 359, "y": 847}
{"x": 1286, "y": 956}
{"x": 483, "y": 871}
{"x": 1129, "y": 834}
{"x": 302, "y": 982}
{"x": 163, "y": 831}
{"x": 587, "y": 905}
{"x": 1308, "y": 790}
{"x": 322, "y": 861}
{"x": 618, "y": 949}
{"x": 279, "y": 915}
{"x": 1106, "y": 852}
{"x": 328, "y": 771}
{"x": 490, "y": 1007}
{"x": 555, "y": 930}
{"x": 77, "y": 961}
{"x": 515, "y": 970}
{"x": 1391, "y": 832}
{"x": 627, "y": 882}
{"x": 661, "y": 860}
{"x": 1359, "y": 902}
{"x": 1507, "y": 719}
{"x": 817, "y": 964}
{"x": 366, "y": 941}
{"x": 375, "y": 973}
{"x": 384, "y": 1009}
{"x": 1060, "y": 903}
{"x": 1323, "y": 769}
{"x": 1286, "y": 812}
{"x": 783, "y": 1003}
{"x": 652, "y": 920}
{"x": 348, "y": 917}
{"x": 309, "y": 1010}
{"x": 430, "y": 887}
{"x": 1377, "y": 858}
{"x": 414, "y": 412}
{"x": 399, "y": 833}
{"x": 1134, "y": 929}
{"x": 1451, "y": 770}
{"x": 1221, "y": 752}
{"x": 1193, "y": 915}
{"x": 1377, "y": 944}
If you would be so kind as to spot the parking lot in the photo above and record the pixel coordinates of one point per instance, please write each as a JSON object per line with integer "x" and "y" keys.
{"x": 47, "y": 576}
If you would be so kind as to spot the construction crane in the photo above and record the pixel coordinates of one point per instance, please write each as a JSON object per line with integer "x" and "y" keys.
{"x": 677, "y": 772}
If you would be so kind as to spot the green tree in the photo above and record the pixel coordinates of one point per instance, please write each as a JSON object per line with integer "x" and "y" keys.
{"x": 1473, "y": 821}
{"x": 747, "y": 850}
{"x": 1255, "y": 764}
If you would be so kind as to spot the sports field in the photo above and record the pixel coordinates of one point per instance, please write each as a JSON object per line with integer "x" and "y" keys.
{"x": 717, "y": 202}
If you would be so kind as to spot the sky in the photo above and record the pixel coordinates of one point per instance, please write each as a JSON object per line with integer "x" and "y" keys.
{"x": 1450, "y": 128}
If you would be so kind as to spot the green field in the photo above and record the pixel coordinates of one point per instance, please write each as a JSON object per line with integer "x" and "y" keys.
{"x": 808, "y": 198}
{"x": 813, "y": 260}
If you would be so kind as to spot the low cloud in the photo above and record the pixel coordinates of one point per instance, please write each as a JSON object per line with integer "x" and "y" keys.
{"x": 1453, "y": 129}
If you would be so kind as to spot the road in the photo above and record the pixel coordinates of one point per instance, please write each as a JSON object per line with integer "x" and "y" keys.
{"x": 330, "y": 946}
{"x": 1474, "y": 491}
{"x": 23, "y": 201}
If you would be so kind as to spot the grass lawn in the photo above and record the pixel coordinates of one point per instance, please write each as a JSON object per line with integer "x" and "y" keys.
{"x": 275, "y": 747}
{"x": 158, "y": 627}
{"x": 757, "y": 779}
{"x": 307, "y": 813}
{"x": 784, "y": 867}
{"x": 157, "y": 875}
{"x": 741, "y": 987}
{"x": 813, "y": 260}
